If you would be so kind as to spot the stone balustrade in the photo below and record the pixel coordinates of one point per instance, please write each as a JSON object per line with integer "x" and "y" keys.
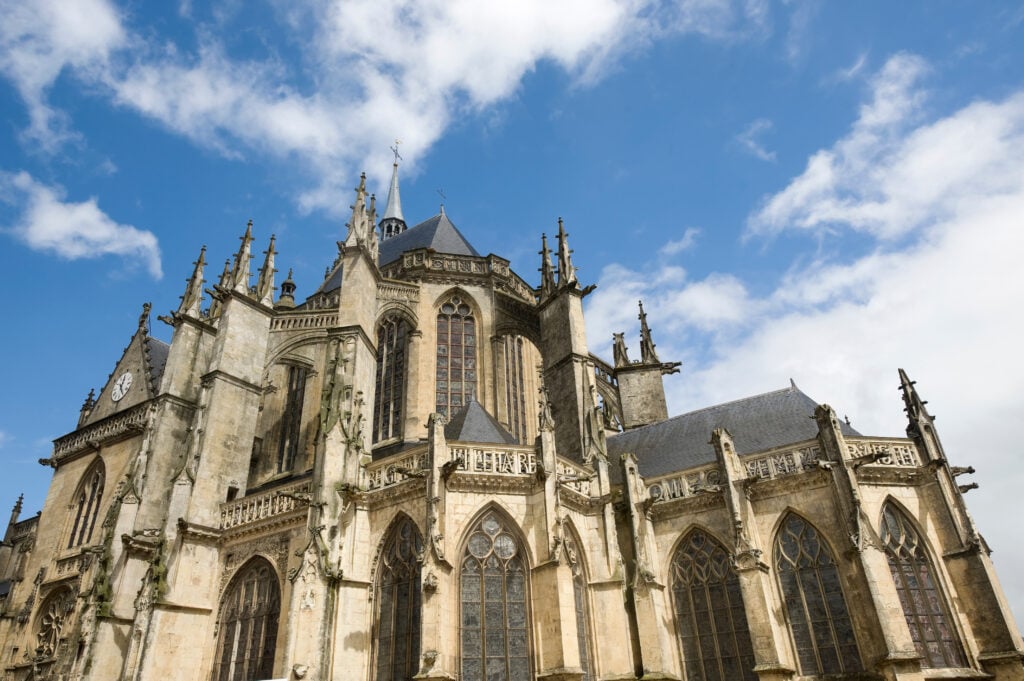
{"x": 887, "y": 452}
{"x": 391, "y": 471}
{"x": 686, "y": 484}
{"x": 321, "y": 320}
{"x": 781, "y": 462}
{"x": 252, "y": 509}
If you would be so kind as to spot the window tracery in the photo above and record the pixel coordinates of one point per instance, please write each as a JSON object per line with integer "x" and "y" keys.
{"x": 389, "y": 403}
{"x": 818, "y": 618}
{"x": 710, "y": 617}
{"x": 456, "y": 356}
{"x": 494, "y": 622}
{"x": 291, "y": 419}
{"x": 515, "y": 386}
{"x": 398, "y": 604}
{"x": 923, "y": 604}
{"x": 248, "y": 625}
{"x": 87, "y": 507}
{"x": 579, "y": 587}
{"x": 53, "y": 616}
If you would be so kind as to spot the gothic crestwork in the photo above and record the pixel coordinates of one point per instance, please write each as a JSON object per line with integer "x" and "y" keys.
{"x": 419, "y": 470}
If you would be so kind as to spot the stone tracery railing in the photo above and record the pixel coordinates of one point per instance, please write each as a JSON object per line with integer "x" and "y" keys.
{"x": 887, "y": 452}
{"x": 259, "y": 507}
{"x": 778, "y": 463}
{"x": 131, "y": 421}
{"x": 685, "y": 484}
{"x": 318, "y": 320}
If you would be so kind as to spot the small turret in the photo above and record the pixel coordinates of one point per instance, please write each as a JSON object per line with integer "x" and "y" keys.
{"x": 192, "y": 300}
{"x": 240, "y": 271}
{"x": 265, "y": 284}
{"x": 287, "y": 299}
{"x": 393, "y": 223}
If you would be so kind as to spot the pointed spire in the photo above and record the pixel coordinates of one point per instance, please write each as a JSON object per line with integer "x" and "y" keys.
{"x": 240, "y": 270}
{"x": 16, "y": 511}
{"x": 192, "y": 301}
{"x": 287, "y": 299}
{"x": 566, "y": 271}
{"x": 357, "y": 225}
{"x": 223, "y": 285}
{"x": 265, "y": 283}
{"x": 914, "y": 404}
{"x": 393, "y": 222}
{"x": 647, "y": 353}
{"x": 547, "y": 271}
{"x": 619, "y": 352}
{"x": 144, "y": 318}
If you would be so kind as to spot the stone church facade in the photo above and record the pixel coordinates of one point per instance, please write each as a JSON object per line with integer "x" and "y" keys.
{"x": 421, "y": 471}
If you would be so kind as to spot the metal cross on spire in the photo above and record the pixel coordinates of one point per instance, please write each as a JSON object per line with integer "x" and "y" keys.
{"x": 398, "y": 157}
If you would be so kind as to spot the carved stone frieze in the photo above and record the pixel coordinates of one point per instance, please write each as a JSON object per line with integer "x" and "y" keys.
{"x": 118, "y": 426}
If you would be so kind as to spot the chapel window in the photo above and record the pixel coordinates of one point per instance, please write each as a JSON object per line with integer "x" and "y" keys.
{"x": 493, "y": 597}
{"x": 818, "y": 618}
{"x": 398, "y": 604}
{"x": 710, "y": 618}
{"x": 291, "y": 420}
{"x": 87, "y": 507}
{"x": 456, "y": 356}
{"x": 389, "y": 403}
{"x": 248, "y": 624}
{"x": 515, "y": 386}
{"x": 923, "y": 604}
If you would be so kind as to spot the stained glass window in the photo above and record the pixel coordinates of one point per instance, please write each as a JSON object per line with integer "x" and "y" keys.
{"x": 248, "y": 624}
{"x": 710, "y": 618}
{"x": 456, "y": 356}
{"x": 398, "y": 604}
{"x": 579, "y": 588}
{"x": 291, "y": 420}
{"x": 389, "y": 403}
{"x": 816, "y": 608}
{"x": 515, "y": 387}
{"x": 923, "y": 605}
{"x": 87, "y": 507}
{"x": 494, "y": 623}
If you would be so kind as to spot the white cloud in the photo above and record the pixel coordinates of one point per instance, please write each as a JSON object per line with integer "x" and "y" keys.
{"x": 4, "y": 439}
{"x": 380, "y": 69}
{"x": 748, "y": 139}
{"x": 941, "y": 302}
{"x": 70, "y": 230}
{"x": 683, "y": 243}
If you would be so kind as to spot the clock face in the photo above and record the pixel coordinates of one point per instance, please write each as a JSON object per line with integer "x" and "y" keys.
{"x": 121, "y": 386}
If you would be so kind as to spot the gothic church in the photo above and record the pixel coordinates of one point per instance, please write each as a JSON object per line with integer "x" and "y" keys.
{"x": 421, "y": 471}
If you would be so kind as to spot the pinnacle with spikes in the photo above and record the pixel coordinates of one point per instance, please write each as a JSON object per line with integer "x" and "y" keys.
{"x": 265, "y": 284}
{"x": 566, "y": 271}
{"x": 547, "y": 270}
{"x": 647, "y": 353}
{"x": 357, "y": 230}
{"x": 192, "y": 301}
{"x": 223, "y": 285}
{"x": 914, "y": 404}
{"x": 240, "y": 270}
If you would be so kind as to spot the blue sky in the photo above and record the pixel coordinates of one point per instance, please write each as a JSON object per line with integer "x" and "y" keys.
{"x": 806, "y": 190}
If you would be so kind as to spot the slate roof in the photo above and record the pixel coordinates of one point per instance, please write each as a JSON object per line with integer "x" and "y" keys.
{"x": 437, "y": 233}
{"x": 756, "y": 423}
{"x": 156, "y": 352}
{"x": 472, "y": 423}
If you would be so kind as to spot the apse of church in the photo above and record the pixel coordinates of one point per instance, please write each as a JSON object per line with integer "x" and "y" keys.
{"x": 419, "y": 470}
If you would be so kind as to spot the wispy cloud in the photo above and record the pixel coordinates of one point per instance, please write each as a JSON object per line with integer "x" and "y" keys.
{"x": 4, "y": 439}
{"x": 380, "y": 68}
{"x": 748, "y": 139}
{"x": 49, "y": 224}
{"x": 683, "y": 243}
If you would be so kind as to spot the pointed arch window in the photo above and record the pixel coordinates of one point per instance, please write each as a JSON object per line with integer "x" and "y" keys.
{"x": 87, "y": 507}
{"x": 494, "y": 622}
{"x": 923, "y": 604}
{"x": 710, "y": 617}
{"x": 579, "y": 589}
{"x": 389, "y": 401}
{"x": 248, "y": 626}
{"x": 398, "y": 604}
{"x": 456, "y": 356}
{"x": 291, "y": 420}
{"x": 818, "y": 618}
{"x": 515, "y": 386}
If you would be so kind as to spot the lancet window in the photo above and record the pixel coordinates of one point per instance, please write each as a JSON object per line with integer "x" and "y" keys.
{"x": 710, "y": 618}
{"x": 923, "y": 604}
{"x": 291, "y": 420}
{"x": 818, "y": 617}
{"x": 456, "y": 356}
{"x": 389, "y": 404}
{"x": 495, "y": 642}
{"x": 87, "y": 507}
{"x": 579, "y": 588}
{"x": 515, "y": 386}
{"x": 248, "y": 624}
{"x": 398, "y": 604}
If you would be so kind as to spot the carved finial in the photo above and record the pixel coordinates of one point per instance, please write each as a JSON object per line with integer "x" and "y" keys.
{"x": 18, "y": 505}
{"x": 647, "y": 353}
{"x": 240, "y": 270}
{"x": 914, "y": 404}
{"x": 359, "y": 228}
{"x": 619, "y": 353}
{"x": 224, "y": 284}
{"x": 547, "y": 270}
{"x": 265, "y": 283}
{"x": 566, "y": 270}
{"x": 192, "y": 301}
{"x": 144, "y": 317}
